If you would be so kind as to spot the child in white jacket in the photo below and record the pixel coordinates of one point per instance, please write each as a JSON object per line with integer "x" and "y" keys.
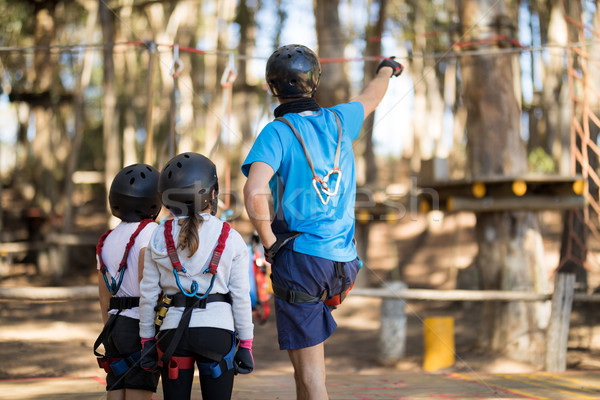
{"x": 201, "y": 265}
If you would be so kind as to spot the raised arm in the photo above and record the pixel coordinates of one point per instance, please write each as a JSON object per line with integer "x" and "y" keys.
{"x": 375, "y": 89}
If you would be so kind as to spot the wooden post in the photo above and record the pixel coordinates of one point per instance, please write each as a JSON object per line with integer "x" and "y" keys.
{"x": 392, "y": 338}
{"x": 558, "y": 329}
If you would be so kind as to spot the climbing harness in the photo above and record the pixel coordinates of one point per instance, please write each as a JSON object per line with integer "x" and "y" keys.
{"x": 190, "y": 300}
{"x": 118, "y": 365}
{"x": 214, "y": 369}
{"x": 212, "y": 267}
{"x": 323, "y": 187}
{"x": 114, "y": 286}
{"x": 296, "y": 296}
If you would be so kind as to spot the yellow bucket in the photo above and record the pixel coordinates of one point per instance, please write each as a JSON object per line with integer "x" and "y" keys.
{"x": 438, "y": 343}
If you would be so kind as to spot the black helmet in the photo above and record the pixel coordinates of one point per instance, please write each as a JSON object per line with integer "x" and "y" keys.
{"x": 186, "y": 184}
{"x": 293, "y": 71}
{"x": 133, "y": 193}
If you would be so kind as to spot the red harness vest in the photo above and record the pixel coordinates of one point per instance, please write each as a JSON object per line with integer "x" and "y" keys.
{"x": 114, "y": 286}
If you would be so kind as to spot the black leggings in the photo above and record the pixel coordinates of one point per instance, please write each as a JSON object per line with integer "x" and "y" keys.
{"x": 212, "y": 339}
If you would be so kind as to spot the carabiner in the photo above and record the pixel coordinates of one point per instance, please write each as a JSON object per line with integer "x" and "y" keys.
{"x": 326, "y": 200}
{"x": 177, "y": 65}
{"x": 193, "y": 288}
{"x": 337, "y": 183}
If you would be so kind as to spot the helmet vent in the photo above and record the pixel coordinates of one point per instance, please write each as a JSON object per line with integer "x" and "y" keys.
{"x": 179, "y": 165}
{"x": 202, "y": 191}
{"x": 186, "y": 155}
{"x": 289, "y": 56}
{"x": 169, "y": 174}
{"x": 149, "y": 169}
{"x": 128, "y": 172}
{"x": 131, "y": 181}
{"x": 143, "y": 175}
{"x": 293, "y": 82}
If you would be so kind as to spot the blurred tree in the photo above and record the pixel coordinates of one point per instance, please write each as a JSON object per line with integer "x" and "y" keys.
{"x": 510, "y": 253}
{"x": 373, "y": 34}
{"x": 334, "y": 87}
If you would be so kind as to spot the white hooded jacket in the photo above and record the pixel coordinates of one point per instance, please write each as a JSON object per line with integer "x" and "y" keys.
{"x": 232, "y": 277}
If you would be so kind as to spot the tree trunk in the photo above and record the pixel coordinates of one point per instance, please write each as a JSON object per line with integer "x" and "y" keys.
{"x": 111, "y": 137}
{"x": 373, "y": 34}
{"x": 510, "y": 253}
{"x": 334, "y": 87}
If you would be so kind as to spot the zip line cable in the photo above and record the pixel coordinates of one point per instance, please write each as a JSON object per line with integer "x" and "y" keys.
{"x": 517, "y": 48}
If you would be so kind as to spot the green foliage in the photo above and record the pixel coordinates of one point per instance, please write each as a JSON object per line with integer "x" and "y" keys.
{"x": 541, "y": 162}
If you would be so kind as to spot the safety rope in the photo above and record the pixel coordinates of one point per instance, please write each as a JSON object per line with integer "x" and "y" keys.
{"x": 323, "y": 187}
{"x": 229, "y": 76}
{"x": 518, "y": 48}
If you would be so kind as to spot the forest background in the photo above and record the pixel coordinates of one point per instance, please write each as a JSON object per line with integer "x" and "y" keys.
{"x": 492, "y": 89}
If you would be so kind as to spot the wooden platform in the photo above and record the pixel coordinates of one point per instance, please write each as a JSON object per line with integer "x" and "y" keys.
{"x": 574, "y": 385}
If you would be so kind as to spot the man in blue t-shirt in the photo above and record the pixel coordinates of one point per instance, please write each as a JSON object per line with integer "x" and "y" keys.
{"x": 305, "y": 157}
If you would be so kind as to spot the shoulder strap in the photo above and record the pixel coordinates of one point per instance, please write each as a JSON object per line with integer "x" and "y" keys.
{"x": 99, "y": 249}
{"x": 131, "y": 242}
{"x": 171, "y": 249}
{"x": 114, "y": 286}
{"x": 336, "y": 162}
{"x": 217, "y": 252}
{"x": 216, "y": 256}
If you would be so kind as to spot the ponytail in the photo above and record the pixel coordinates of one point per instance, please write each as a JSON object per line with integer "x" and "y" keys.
{"x": 188, "y": 235}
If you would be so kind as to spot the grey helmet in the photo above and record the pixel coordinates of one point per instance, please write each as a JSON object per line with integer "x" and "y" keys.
{"x": 133, "y": 194}
{"x": 186, "y": 184}
{"x": 293, "y": 71}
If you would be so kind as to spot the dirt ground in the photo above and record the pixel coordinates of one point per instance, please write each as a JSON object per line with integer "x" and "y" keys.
{"x": 55, "y": 339}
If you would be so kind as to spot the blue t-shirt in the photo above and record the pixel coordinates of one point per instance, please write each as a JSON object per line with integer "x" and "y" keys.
{"x": 327, "y": 230}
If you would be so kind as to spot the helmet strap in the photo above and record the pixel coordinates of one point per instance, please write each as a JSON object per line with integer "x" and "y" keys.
{"x": 297, "y": 106}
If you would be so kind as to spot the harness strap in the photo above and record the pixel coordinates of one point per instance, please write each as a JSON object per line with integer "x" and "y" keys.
{"x": 215, "y": 369}
{"x": 171, "y": 248}
{"x": 336, "y": 163}
{"x": 104, "y": 334}
{"x": 181, "y": 300}
{"x": 123, "y": 303}
{"x": 114, "y": 286}
{"x": 217, "y": 252}
{"x": 297, "y": 296}
{"x": 99, "y": 249}
{"x": 116, "y": 303}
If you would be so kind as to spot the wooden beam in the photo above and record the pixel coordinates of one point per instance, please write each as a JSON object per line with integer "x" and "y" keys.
{"x": 464, "y": 295}
{"x": 524, "y": 203}
{"x": 558, "y": 329}
{"x": 49, "y": 293}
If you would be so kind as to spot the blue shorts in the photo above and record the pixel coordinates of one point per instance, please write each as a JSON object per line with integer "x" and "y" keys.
{"x": 301, "y": 325}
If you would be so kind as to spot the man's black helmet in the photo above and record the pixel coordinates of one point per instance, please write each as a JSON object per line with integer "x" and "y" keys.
{"x": 186, "y": 183}
{"x": 293, "y": 71}
{"x": 133, "y": 194}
